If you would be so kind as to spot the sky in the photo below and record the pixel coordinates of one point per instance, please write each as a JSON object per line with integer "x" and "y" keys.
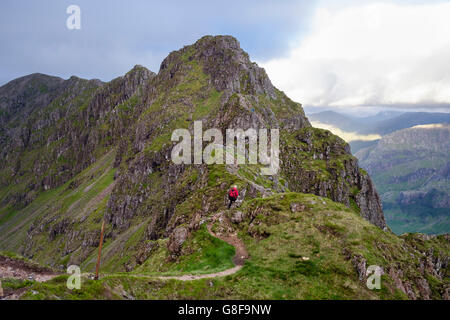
{"x": 344, "y": 55}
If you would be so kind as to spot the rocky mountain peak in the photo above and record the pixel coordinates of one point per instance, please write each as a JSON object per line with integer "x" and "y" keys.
{"x": 224, "y": 61}
{"x": 140, "y": 71}
{"x": 23, "y": 95}
{"x": 129, "y": 121}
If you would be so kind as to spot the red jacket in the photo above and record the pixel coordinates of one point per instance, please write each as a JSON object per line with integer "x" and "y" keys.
{"x": 233, "y": 193}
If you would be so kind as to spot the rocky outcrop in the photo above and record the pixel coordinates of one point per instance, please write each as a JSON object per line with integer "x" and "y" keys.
{"x": 369, "y": 201}
{"x": 422, "y": 283}
{"x": 176, "y": 240}
{"x": 297, "y": 207}
{"x": 229, "y": 66}
{"x": 315, "y": 161}
{"x": 237, "y": 217}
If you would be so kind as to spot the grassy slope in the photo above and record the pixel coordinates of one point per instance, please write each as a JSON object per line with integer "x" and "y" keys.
{"x": 276, "y": 268}
{"x": 417, "y": 219}
{"x": 56, "y": 204}
{"x": 207, "y": 255}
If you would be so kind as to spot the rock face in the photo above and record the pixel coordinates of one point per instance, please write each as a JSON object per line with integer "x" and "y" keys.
{"x": 132, "y": 118}
{"x": 315, "y": 161}
{"x": 52, "y": 128}
{"x": 227, "y": 64}
{"x": 369, "y": 202}
{"x": 176, "y": 240}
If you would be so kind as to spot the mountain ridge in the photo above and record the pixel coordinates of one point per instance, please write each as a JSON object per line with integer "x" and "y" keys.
{"x": 106, "y": 155}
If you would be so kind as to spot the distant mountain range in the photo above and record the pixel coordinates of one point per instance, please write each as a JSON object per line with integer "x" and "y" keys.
{"x": 411, "y": 170}
{"x": 409, "y": 164}
{"x": 382, "y": 123}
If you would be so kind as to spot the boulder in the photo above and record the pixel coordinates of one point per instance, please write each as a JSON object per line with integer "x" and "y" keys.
{"x": 297, "y": 207}
{"x": 176, "y": 239}
{"x": 237, "y": 217}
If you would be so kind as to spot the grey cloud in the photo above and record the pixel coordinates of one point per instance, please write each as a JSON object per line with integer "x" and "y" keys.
{"x": 115, "y": 35}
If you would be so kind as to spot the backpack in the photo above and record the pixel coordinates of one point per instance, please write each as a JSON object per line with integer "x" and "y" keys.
{"x": 233, "y": 193}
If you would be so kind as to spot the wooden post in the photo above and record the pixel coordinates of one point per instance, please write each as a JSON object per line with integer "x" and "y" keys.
{"x": 99, "y": 250}
{"x": 1, "y": 289}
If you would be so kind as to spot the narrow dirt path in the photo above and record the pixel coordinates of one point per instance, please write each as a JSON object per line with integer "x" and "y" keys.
{"x": 189, "y": 277}
{"x": 226, "y": 235}
{"x": 19, "y": 269}
{"x": 13, "y": 268}
{"x": 232, "y": 239}
{"x": 238, "y": 259}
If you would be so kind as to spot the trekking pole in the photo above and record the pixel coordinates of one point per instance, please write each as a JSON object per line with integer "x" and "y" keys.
{"x": 99, "y": 250}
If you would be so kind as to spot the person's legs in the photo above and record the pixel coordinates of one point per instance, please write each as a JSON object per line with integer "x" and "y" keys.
{"x": 231, "y": 201}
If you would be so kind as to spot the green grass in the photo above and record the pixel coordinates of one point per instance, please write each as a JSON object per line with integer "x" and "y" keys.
{"x": 15, "y": 284}
{"x": 302, "y": 258}
{"x": 56, "y": 289}
{"x": 213, "y": 254}
{"x": 204, "y": 254}
{"x": 6, "y": 214}
{"x": 67, "y": 201}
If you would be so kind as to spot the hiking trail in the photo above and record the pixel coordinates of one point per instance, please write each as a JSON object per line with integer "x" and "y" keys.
{"x": 18, "y": 269}
{"x": 24, "y": 270}
{"x": 230, "y": 237}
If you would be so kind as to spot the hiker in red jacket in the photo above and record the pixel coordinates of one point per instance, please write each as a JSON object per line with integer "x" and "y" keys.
{"x": 233, "y": 194}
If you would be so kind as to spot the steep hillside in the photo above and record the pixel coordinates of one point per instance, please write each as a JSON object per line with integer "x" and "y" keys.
{"x": 411, "y": 170}
{"x": 300, "y": 246}
{"x": 52, "y": 129}
{"x": 103, "y": 150}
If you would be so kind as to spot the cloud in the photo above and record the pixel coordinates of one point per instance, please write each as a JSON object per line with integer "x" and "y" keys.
{"x": 375, "y": 54}
{"x": 115, "y": 34}
{"x": 346, "y": 135}
{"x": 433, "y": 126}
